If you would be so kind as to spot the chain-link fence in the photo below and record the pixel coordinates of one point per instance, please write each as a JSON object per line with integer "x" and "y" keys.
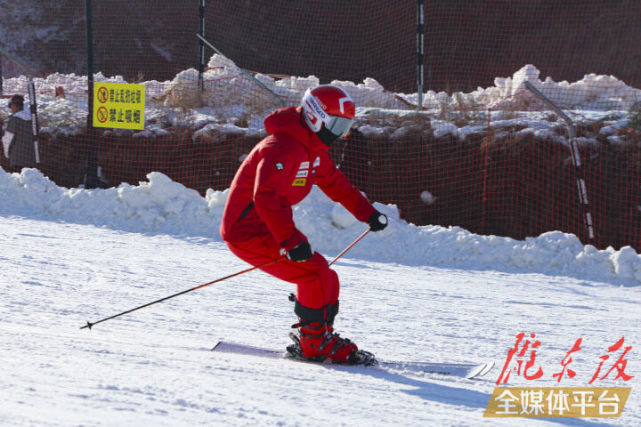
{"x": 485, "y": 152}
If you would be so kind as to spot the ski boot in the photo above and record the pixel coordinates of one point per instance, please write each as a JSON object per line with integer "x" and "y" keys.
{"x": 316, "y": 340}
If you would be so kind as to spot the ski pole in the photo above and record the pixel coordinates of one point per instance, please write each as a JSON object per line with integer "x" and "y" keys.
{"x": 89, "y": 325}
{"x": 351, "y": 245}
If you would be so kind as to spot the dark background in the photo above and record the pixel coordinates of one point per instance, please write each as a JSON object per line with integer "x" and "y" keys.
{"x": 467, "y": 42}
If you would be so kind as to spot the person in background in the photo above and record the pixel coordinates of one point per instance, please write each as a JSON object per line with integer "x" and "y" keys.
{"x": 18, "y": 141}
{"x": 258, "y": 224}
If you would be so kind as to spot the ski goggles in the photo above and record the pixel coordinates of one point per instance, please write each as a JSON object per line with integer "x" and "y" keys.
{"x": 339, "y": 126}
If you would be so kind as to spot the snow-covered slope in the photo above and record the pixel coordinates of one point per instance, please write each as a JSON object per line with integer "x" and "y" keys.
{"x": 408, "y": 293}
{"x": 154, "y": 367}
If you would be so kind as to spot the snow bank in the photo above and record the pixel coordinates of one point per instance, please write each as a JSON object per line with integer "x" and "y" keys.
{"x": 230, "y": 96}
{"x": 163, "y": 206}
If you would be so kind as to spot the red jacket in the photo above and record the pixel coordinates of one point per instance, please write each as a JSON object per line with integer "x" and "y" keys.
{"x": 278, "y": 173}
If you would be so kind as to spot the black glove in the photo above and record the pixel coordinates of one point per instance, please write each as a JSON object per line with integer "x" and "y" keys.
{"x": 377, "y": 221}
{"x": 300, "y": 253}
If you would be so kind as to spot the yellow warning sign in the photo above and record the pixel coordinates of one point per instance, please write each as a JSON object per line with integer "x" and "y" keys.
{"x": 119, "y": 105}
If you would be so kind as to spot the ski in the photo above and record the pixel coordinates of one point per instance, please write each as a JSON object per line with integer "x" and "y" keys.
{"x": 464, "y": 370}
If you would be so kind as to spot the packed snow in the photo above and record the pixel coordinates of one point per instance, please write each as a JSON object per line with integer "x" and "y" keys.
{"x": 408, "y": 293}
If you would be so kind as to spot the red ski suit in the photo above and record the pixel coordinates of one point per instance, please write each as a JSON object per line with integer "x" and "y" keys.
{"x": 278, "y": 173}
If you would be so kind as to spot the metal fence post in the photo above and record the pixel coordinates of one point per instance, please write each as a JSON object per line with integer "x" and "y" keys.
{"x": 91, "y": 174}
{"x": 201, "y": 46}
{"x": 576, "y": 161}
{"x": 420, "y": 30}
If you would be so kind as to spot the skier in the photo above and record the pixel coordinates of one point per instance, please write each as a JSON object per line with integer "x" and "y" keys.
{"x": 257, "y": 223}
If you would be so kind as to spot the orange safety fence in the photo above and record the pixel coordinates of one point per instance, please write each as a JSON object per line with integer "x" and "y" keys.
{"x": 484, "y": 153}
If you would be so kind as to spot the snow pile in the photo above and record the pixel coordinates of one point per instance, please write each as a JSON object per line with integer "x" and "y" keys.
{"x": 163, "y": 206}
{"x": 231, "y": 96}
{"x": 160, "y": 205}
{"x": 593, "y": 92}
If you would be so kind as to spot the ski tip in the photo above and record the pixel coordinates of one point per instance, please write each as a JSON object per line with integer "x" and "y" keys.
{"x": 480, "y": 370}
{"x": 488, "y": 367}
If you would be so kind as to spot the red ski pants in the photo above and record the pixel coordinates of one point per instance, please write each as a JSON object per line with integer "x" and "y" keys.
{"x": 317, "y": 284}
